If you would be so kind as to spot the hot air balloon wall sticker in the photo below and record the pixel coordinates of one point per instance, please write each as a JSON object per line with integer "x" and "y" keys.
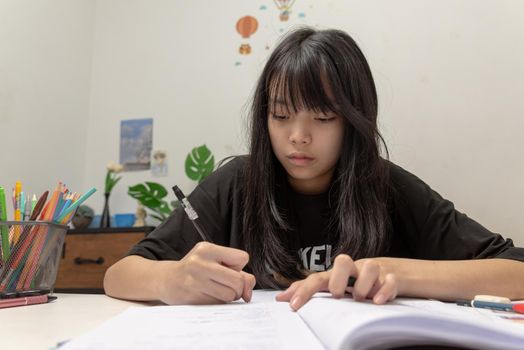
{"x": 246, "y": 26}
{"x": 284, "y": 6}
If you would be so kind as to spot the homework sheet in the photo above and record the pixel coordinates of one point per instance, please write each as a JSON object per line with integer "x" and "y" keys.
{"x": 261, "y": 324}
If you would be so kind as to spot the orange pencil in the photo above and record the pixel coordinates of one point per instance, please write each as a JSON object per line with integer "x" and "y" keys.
{"x": 50, "y": 210}
{"x": 18, "y": 213}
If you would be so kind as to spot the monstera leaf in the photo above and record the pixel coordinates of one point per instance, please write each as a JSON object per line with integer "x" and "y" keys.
{"x": 150, "y": 195}
{"x": 199, "y": 163}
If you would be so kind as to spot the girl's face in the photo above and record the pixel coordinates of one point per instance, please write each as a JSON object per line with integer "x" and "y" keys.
{"x": 307, "y": 144}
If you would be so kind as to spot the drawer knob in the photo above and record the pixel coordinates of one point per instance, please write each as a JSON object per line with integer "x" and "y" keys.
{"x": 81, "y": 261}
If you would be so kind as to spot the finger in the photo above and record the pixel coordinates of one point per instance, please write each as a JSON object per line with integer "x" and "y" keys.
{"x": 308, "y": 287}
{"x": 249, "y": 284}
{"x": 367, "y": 277}
{"x": 388, "y": 291}
{"x": 227, "y": 277}
{"x": 200, "y": 269}
{"x": 374, "y": 290}
{"x": 343, "y": 268}
{"x": 231, "y": 257}
{"x": 288, "y": 293}
{"x": 202, "y": 298}
{"x": 203, "y": 290}
{"x": 222, "y": 293}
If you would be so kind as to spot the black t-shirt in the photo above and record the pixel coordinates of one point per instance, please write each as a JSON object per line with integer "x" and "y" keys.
{"x": 423, "y": 224}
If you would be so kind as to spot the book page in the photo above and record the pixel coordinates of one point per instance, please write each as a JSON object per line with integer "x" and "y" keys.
{"x": 261, "y": 324}
{"x": 346, "y": 324}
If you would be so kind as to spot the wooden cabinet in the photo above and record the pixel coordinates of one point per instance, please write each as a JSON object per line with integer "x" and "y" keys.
{"x": 87, "y": 254}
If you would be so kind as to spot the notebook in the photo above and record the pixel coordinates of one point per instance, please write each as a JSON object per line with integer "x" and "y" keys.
{"x": 323, "y": 323}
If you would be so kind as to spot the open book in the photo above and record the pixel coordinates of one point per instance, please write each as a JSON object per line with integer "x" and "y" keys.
{"x": 323, "y": 323}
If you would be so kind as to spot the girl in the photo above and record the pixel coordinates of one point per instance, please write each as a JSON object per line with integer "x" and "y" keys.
{"x": 315, "y": 203}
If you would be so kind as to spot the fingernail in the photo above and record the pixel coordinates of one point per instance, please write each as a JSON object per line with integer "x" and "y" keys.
{"x": 295, "y": 303}
{"x": 379, "y": 299}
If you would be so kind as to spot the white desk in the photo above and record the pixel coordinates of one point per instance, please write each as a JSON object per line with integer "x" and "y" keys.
{"x": 43, "y": 326}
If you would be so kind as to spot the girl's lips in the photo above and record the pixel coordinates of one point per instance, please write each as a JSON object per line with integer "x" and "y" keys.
{"x": 300, "y": 159}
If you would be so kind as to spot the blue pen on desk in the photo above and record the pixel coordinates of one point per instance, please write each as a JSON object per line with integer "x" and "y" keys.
{"x": 191, "y": 213}
{"x": 517, "y": 307}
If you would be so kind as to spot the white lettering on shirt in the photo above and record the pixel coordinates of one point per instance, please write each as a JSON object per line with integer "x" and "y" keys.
{"x": 303, "y": 254}
{"x": 317, "y": 258}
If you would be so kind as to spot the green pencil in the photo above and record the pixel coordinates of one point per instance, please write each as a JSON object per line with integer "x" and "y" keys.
{"x": 6, "y": 250}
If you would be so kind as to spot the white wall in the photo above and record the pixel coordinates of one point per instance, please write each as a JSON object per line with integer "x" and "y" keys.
{"x": 172, "y": 61}
{"x": 448, "y": 73}
{"x": 45, "y": 62}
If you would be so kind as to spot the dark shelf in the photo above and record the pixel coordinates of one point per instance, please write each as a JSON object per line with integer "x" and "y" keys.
{"x": 145, "y": 229}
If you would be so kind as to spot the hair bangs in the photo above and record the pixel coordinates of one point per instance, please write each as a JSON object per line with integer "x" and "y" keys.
{"x": 298, "y": 82}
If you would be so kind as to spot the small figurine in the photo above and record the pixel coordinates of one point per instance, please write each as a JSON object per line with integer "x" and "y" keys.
{"x": 83, "y": 217}
{"x": 141, "y": 214}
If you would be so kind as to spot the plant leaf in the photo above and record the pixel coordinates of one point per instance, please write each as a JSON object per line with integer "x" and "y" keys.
{"x": 145, "y": 195}
{"x": 157, "y": 189}
{"x": 199, "y": 163}
{"x": 107, "y": 188}
{"x": 164, "y": 208}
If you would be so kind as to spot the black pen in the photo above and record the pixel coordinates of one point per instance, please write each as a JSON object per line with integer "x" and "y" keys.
{"x": 23, "y": 293}
{"x": 351, "y": 281}
{"x": 191, "y": 213}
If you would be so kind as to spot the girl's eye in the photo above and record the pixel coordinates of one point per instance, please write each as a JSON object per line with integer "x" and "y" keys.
{"x": 325, "y": 119}
{"x": 279, "y": 117}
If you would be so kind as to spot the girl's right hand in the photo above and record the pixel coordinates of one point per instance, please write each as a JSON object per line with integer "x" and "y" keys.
{"x": 208, "y": 274}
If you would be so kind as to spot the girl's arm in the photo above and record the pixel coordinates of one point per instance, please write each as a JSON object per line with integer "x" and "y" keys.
{"x": 383, "y": 279}
{"x": 208, "y": 274}
{"x": 459, "y": 279}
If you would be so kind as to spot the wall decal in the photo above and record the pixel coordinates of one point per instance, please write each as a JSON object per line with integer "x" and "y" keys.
{"x": 285, "y": 8}
{"x": 246, "y": 26}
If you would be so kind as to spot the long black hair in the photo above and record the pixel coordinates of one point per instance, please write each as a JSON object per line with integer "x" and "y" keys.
{"x": 300, "y": 68}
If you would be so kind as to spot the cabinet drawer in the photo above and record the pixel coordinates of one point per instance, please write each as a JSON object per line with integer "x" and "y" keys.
{"x": 86, "y": 257}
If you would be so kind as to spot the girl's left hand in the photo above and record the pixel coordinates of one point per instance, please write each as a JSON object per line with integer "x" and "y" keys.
{"x": 371, "y": 283}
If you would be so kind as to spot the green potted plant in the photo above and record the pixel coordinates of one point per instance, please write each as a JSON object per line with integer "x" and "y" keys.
{"x": 199, "y": 163}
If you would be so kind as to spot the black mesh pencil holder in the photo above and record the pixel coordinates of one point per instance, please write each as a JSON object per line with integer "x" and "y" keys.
{"x": 30, "y": 252}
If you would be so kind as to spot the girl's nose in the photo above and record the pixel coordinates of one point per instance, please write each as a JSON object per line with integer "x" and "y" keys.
{"x": 300, "y": 135}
